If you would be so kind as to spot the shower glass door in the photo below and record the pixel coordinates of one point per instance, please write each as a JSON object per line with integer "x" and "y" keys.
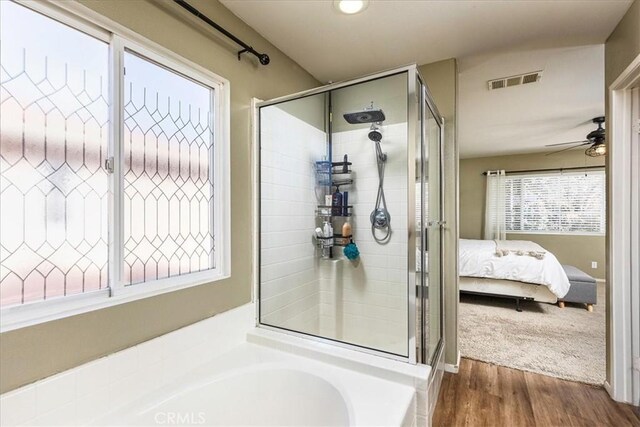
{"x": 431, "y": 299}
{"x": 350, "y": 210}
{"x": 334, "y": 207}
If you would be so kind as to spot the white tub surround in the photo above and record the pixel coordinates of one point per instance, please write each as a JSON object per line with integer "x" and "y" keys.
{"x": 256, "y": 385}
{"x": 79, "y": 395}
{"x": 419, "y": 378}
{"x": 388, "y": 369}
{"x": 223, "y": 371}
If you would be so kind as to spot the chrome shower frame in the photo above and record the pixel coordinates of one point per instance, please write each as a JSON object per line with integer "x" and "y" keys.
{"x": 414, "y": 99}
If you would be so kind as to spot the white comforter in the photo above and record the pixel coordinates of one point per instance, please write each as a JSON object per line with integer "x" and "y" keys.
{"x": 478, "y": 259}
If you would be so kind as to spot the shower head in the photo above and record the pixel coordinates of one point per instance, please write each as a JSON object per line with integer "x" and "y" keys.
{"x": 364, "y": 116}
{"x": 375, "y": 135}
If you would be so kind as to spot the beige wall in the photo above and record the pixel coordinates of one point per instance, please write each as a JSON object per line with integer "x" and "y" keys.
{"x": 442, "y": 79}
{"x": 569, "y": 249}
{"x": 32, "y": 353}
{"x": 622, "y": 47}
{"x": 311, "y": 110}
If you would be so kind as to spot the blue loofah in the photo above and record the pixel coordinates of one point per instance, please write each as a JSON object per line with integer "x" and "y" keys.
{"x": 351, "y": 251}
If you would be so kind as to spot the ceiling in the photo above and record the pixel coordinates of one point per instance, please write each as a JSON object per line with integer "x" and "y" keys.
{"x": 490, "y": 39}
{"x": 523, "y": 119}
{"x": 333, "y": 46}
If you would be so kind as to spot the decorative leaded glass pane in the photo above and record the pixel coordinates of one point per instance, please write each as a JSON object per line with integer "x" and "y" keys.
{"x": 54, "y": 122}
{"x": 168, "y": 173}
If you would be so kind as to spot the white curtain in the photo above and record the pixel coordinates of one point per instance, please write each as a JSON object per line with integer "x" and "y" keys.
{"x": 494, "y": 218}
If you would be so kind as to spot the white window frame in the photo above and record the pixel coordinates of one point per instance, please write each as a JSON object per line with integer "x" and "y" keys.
{"x": 120, "y": 38}
{"x": 560, "y": 233}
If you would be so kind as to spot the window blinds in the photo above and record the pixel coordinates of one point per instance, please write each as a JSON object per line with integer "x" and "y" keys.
{"x": 556, "y": 203}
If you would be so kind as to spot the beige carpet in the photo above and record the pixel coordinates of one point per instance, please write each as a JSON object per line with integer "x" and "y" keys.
{"x": 565, "y": 343}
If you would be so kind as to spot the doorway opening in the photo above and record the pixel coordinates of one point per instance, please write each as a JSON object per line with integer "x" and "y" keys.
{"x": 533, "y": 213}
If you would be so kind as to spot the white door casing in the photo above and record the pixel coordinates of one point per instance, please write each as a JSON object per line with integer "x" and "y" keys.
{"x": 624, "y": 237}
{"x": 635, "y": 243}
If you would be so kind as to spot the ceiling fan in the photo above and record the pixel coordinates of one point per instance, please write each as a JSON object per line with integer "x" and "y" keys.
{"x": 595, "y": 138}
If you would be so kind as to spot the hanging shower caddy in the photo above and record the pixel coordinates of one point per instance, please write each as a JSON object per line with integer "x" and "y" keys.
{"x": 333, "y": 175}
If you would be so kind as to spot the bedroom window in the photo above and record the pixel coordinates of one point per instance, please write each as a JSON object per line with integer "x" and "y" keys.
{"x": 114, "y": 173}
{"x": 557, "y": 203}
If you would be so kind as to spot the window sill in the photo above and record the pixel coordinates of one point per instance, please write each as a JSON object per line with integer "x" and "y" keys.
{"x": 22, "y": 316}
{"x": 558, "y": 233}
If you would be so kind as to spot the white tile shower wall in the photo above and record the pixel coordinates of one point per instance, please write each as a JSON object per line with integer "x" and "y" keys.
{"x": 365, "y": 302}
{"x": 290, "y": 296}
{"x": 82, "y": 394}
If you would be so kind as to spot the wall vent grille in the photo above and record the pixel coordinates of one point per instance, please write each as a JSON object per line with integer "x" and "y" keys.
{"x": 497, "y": 84}
{"x": 521, "y": 79}
{"x": 514, "y": 81}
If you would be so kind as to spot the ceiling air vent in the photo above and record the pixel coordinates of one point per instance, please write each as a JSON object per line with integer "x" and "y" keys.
{"x": 521, "y": 79}
{"x": 514, "y": 81}
{"x": 531, "y": 78}
{"x": 497, "y": 84}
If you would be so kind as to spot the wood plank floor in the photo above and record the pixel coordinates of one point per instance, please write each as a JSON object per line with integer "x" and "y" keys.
{"x": 482, "y": 394}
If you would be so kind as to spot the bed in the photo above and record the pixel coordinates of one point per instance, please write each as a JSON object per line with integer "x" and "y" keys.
{"x": 521, "y": 270}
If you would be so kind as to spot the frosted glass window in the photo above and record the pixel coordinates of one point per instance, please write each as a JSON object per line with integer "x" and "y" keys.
{"x": 168, "y": 173}
{"x": 54, "y": 133}
{"x": 108, "y": 165}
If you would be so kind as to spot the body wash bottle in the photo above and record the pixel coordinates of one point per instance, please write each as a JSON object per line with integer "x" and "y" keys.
{"x": 328, "y": 233}
{"x": 346, "y": 229}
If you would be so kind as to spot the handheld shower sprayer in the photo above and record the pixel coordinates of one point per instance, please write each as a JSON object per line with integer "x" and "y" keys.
{"x": 376, "y": 136}
{"x": 380, "y": 217}
{"x": 374, "y": 133}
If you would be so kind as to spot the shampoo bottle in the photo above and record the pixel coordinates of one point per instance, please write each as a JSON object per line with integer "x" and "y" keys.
{"x": 336, "y": 203}
{"x": 345, "y": 203}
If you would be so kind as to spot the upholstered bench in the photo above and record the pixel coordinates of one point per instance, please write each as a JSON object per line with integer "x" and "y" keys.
{"x": 583, "y": 288}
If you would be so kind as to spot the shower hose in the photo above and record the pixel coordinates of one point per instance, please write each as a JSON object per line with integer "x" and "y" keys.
{"x": 380, "y": 218}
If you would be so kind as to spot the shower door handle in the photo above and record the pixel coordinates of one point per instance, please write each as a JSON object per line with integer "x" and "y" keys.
{"x": 426, "y": 239}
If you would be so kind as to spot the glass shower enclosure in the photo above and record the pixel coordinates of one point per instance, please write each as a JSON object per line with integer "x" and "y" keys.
{"x": 351, "y": 216}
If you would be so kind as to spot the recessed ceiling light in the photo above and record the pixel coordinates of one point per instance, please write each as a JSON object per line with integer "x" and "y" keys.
{"x": 350, "y": 7}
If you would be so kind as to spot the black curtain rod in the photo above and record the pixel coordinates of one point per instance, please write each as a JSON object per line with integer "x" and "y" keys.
{"x": 263, "y": 57}
{"x": 552, "y": 170}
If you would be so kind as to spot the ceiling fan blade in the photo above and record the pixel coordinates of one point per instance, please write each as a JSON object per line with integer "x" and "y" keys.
{"x": 565, "y": 143}
{"x": 567, "y": 149}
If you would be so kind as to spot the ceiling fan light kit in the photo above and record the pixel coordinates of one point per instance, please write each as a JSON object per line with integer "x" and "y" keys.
{"x": 595, "y": 138}
{"x": 596, "y": 150}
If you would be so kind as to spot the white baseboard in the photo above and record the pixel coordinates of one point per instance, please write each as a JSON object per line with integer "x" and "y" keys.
{"x": 609, "y": 390}
{"x": 453, "y": 368}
